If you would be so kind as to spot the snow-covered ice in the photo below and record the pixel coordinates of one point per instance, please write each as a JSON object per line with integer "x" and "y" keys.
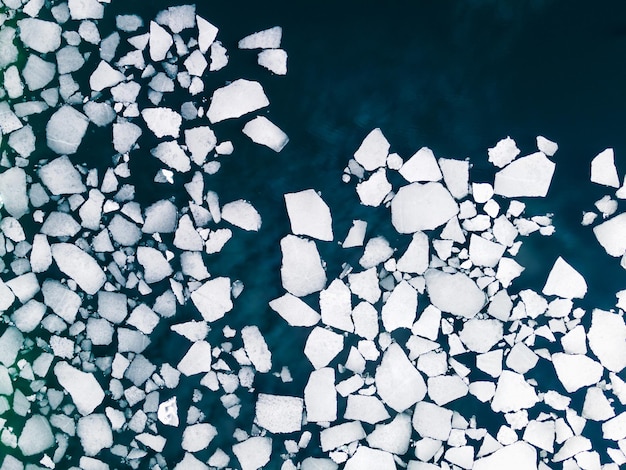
{"x": 607, "y": 339}
{"x": 80, "y": 266}
{"x": 603, "y": 169}
{"x": 422, "y": 166}
{"x": 399, "y": 384}
{"x": 527, "y": 176}
{"x": 39, "y": 35}
{"x": 309, "y": 215}
{"x": 454, "y": 293}
{"x": 609, "y": 235}
{"x": 242, "y": 214}
{"x": 320, "y": 396}
{"x": 422, "y": 207}
{"x": 236, "y": 99}
{"x": 36, "y": 436}
{"x": 279, "y": 414}
{"x": 266, "y": 39}
{"x": 197, "y": 359}
{"x": 162, "y": 121}
{"x": 302, "y": 272}
{"x": 253, "y": 453}
{"x": 256, "y": 348}
{"x": 576, "y": 370}
{"x": 263, "y": 131}
{"x": 565, "y": 281}
{"x": 86, "y": 392}
{"x": 274, "y": 60}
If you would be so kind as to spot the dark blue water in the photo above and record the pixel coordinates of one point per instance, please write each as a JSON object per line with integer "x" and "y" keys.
{"x": 453, "y": 76}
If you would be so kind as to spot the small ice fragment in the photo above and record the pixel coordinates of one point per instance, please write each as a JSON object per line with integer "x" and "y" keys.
{"x": 65, "y": 130}
{"x": 521, "y": 358}
{"x": 482, "y": 192}
{"x": 253, "y": 453}
{"x": 219, "y": 56}
{"x": 206, "y": 34}
{"x": 481, "y": 335}
{"x": 422, "y": 166}
{"x": 576, "y": 370}
{"x": 125, "y": 134}
{"x": 262, "y": 131}
{"x": 64, "y": 302}
{"x": 186, "y": 237}
{"x": 156, "y": 267}
{"x": 236, "y": 99}
{"x": 513, "y": 393}
{"x": 603, "y": 169}
{"x": 546, "y": 146}
{"x": 178, "y": 18}
{"x": 517, "y": 456}
{"x": 274, "y": 60}
{"x": 256, "y": 348}
{"x": 309, "y": 215}
{"x": 372, "y": 191}
{"x": 80, "y": 266}
{"x": 373, "y": 151}
{"x": 266, "y": 39}
{"x": 85, "y": 9}
{"x": 197, "y": 437}
{"x": 128, "y": 23}
{"x": 454, "y": 293}
{"x": 160, "y": 42}
{"x": 162, "y": 121}
{"x": 36, "y": 436}
{"x": 242, "y": 214}
{"x": 528, "y": 176}
{"x": 565, "y": 281}
{"x": 503, "y": 153}
{"x": 101, "y": 114}
{"x": 41, "y": 36}
{"x": 28, "y": 316}
{"x": 398, "y": 383}
{"x": 422, "y": 207}
{"x": 320, "y": 396}
{"x": 195, "y": 63}
{"x": 95, "y": 433}
{"x": 84, "y": 389}
{"x": 197, "y": 359}
{"x": 607, "y": 339}
{"x": 394, "y": 436}
{"x": 279, "y": 414}
{"x": 302, "y": 272}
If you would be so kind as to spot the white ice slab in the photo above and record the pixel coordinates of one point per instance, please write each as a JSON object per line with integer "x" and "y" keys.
{"x": 256, "y": 348}
{"x": 198, "y": 436}
{"x": 197, "y": 359}
{"x": 576, "y": 370}
{"x": 607, "y": 339}
{"x": 432, "y": 421}
{"x": 278, "y": 413}
{"x": 294, "y": 311}
{"x": 162, "y": 121}
{"x": 603, "y": 169}
{"x": 65, "y": 130}
{"x": 373, "y": 151}
{"x": 565, "y": 281}
{"x": 13, "y": 191}
{"x": 513, "y": 393}
{"x": 156, "y": 267}
{"x": 80, "y": 266}
{"x": 213, "y": 298}
{"x": 372, "y": 191}
{"x": 309, "y": 215}
{"x": 41, "y": 36}
{"x": 517, "y": 456}
{"x": 236, "y": 99}
{"x": 546, "y": 146}
{"x": 336, "y": 306}
{"x": 416, "y": 257}
{"x": 84, "y": 389}
{"x": 503, "y": 153}
{"x": 253, "y": 453}
{"x": 274, "y": 60}
{"x": 527, "y": 176}
{"x": 264, "y": 132}
{"x": 422, "y": 207}
{"x": 266, "y": 39}
{"x": 366, "y": 458}
{"x": 400, "y": 309}
{"x": 398, "y": 382}
{"x": 454, "y": 293}
{"x": 320, "y": 396}
{"x": 302, "y": 272}
{"x": 422, "y": 166}
{"x": 105, "y": 76}
{"x": 322, "y": 346}
{"x": 242, "y": 214}
{"x": 480, "y": 335}
{"x": 609, "y": 235}
{"x": 95, "y": 433}
{"x": 160, "y": 42}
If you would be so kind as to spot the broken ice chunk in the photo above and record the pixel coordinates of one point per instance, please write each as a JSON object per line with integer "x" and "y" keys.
{"x": 322, "y": 346}
{"x": 274, "y": 60}
{"x": 279, "y": 414}
{"x": 197, "y": 437}
{"x": 37, "y": 72}
{"x": 83, "y": 387}
{"x": 309, "y": 215}
{"x": 443, "y": 389}
{"x": 65, "y": 130}
{"x": 320, "y": 396}
{"x": 336, "y": 306}
{"x": 398, "y": 382}
{"x": 253, "y": 453}
{"x": 156, "y": 267}
{"x": 342, "y": 434}
{"x": 370, "y": 459}
{"x": 503, "y": 153}
{"x": 41, "y": 36}
{"x": 36, "y": 437}
{"x": 80, "y": 266}
{"x": 95, "y": 433}
{"x": 213, "y": 298}
{"x": 365, "y": 285}
{"x": 372, "y": 191}
{"x": 597, "y": 407}
{"x": 454, "y": 293}
{"x": 128, "y": 23}
{"x": 186, "y": 236}
{"x": 432, "y": 421}
{"x": 236, "y": 99}
{"x": 565, "y": 281}
{"x": 576, "y": 370}
{"x": 85, "y": 9}
{"x": 607, "y": 339}
{"x": 105, "y": 76}
{"x": 200, "y": 141}
{"x": 266, "y": 39}
{"x": 546, "y": 146}
{"x": 13, "y": 194}
{"x": 256, "y": 348}
{"x": 415, "y": 258}
{"x": 262, "y": 131}
{"x": 610, "y": 235}
{"x": 196, "y": 64}
{"x": 125, "y": 134}
{"x": 178, "y": 18}
{"x": 483, "y": 252}
{"x": 206, "y": 34}
{"x": 513, "y": 393}
{"x": 197, "y": 359}
{"x": 295, "y": 311}
{"x": 422, "y": 207}
{"x": 242, "y": 214}
{"x": 400, "y": 308}
{"x": 356, "y": 235}
{"x": 373, "y": 151}
{"x": 160, "y": 42}
{"x": 302, "y": 272}
{"x": 162, "y": 121}
{"x": 517, "y": 456}
{"x": 160, "y": 217}
{"x": 422, "y": 166}
{"x": 527, "y": 176}
{"x": 603, "y": 169}
{"x": 481, "y": 335}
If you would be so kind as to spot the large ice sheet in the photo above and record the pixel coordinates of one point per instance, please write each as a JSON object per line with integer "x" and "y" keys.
{"x": 527, "y": 176}
{"x": 236, "y": 99}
